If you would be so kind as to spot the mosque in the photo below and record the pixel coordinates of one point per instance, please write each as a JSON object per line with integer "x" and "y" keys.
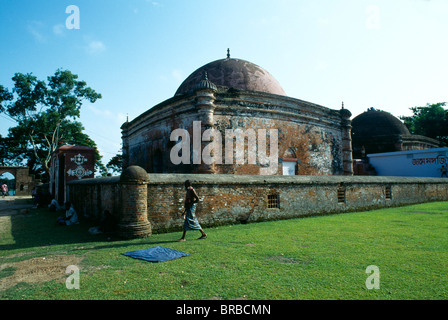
{"x": 229, "y": 95}
{"x": 234, "y": 109}
{"x": 377, "y": 131}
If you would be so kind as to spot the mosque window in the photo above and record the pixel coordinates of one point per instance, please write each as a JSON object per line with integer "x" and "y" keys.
{"x": 388, "y": 193}
{"x": 341, "y": 194}
{"x": 273, "y": 201}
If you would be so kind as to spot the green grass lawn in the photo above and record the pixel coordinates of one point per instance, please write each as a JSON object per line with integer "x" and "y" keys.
{"x": 321, "y": 257}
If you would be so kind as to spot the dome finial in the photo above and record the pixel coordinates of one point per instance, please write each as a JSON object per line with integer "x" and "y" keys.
{"x": 205, "y": 83}
{"x": 228, "y": 53}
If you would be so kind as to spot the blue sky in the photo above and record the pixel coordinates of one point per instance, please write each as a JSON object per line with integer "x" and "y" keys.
{"x": 391, "y": 54}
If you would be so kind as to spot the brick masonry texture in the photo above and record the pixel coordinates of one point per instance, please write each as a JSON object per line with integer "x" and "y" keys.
{"x": 314, "y": 134}
{"x": 233, "y": 199}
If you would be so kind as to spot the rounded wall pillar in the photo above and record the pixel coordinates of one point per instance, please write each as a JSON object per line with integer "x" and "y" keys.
{"x": 347, "y": 152}
{"x": 133, "y": 222}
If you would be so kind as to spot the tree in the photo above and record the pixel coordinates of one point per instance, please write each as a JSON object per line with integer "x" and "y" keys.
{"x": 46, "y": 115}
{"x": 429, "y": 121}
{"x": 116, "y": 163}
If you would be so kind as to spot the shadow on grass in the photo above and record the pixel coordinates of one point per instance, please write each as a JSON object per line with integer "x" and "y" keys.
{"x": 38, "y": 228}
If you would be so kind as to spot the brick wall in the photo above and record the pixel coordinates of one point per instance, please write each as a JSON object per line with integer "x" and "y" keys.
{"x": 231, "y": 199}
{"x": 91, "y": 197}
{"x": 317, "y": 136}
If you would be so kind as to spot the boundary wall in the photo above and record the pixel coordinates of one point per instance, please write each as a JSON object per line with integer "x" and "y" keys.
{"x": 231, "y": 199}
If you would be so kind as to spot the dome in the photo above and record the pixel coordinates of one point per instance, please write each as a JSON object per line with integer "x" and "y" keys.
{"x": 205, "y": 84}
{"x": 233, "y": 73}
{"x": 134, "y": 174}
{"x": 377, "y": 123}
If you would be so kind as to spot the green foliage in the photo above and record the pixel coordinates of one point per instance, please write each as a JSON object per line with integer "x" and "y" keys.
{"x": 46, "y": 115}
{"x": 116, "y": 163}
{"x": 429, "y": 121}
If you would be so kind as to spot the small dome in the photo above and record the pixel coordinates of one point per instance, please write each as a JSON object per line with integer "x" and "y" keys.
{"x": 233, "y": 73}
{"x": 377, "y": 123}
{"x": 134, "y": 174}
{"x": 205, "y": 84}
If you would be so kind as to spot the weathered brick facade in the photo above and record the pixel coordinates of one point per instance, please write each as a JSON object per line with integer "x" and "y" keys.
{"x": 314, "y": 145}
{"x": 317, "y": 138}
{"x": 230, "y": 199}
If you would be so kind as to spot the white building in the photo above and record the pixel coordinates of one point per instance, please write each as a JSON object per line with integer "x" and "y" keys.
{"x": 413, "y": 163}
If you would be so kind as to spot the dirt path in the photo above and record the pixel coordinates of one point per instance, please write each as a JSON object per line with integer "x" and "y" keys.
{"x": 32, "y": 270}
{"x": 36, "y": 270}
{"x": 14, "y": 205}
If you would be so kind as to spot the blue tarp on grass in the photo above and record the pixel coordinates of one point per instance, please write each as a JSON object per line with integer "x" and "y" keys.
{"x": 156, "y": 254}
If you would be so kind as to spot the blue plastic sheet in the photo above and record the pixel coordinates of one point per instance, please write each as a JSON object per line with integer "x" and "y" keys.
{"x": 156, "y": 254}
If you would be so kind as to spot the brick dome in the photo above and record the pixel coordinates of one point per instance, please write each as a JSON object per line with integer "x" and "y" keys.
{"x": 377, "y": 123}
{"x": 233, "y": 73}
{"x": 134, "y": 174}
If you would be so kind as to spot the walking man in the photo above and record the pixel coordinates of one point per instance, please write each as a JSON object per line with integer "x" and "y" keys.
{"x": 191, "y": 222}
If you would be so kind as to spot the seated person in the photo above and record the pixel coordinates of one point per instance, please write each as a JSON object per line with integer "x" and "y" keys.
{"x": 54, "y": 206}
{"x": 71, "y": 216}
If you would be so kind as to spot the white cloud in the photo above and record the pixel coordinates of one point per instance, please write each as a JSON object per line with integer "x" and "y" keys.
{"x": 35, "y": 28}
{"x": 154, "y": 3}
{"x": 118, "y": 118}
{"x": 95, "y": 47}
{"x": 59, "y": 29}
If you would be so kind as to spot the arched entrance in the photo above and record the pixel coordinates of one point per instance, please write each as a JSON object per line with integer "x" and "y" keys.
{"x": 24, "y": 182}
{"x": 10, "y": 180}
